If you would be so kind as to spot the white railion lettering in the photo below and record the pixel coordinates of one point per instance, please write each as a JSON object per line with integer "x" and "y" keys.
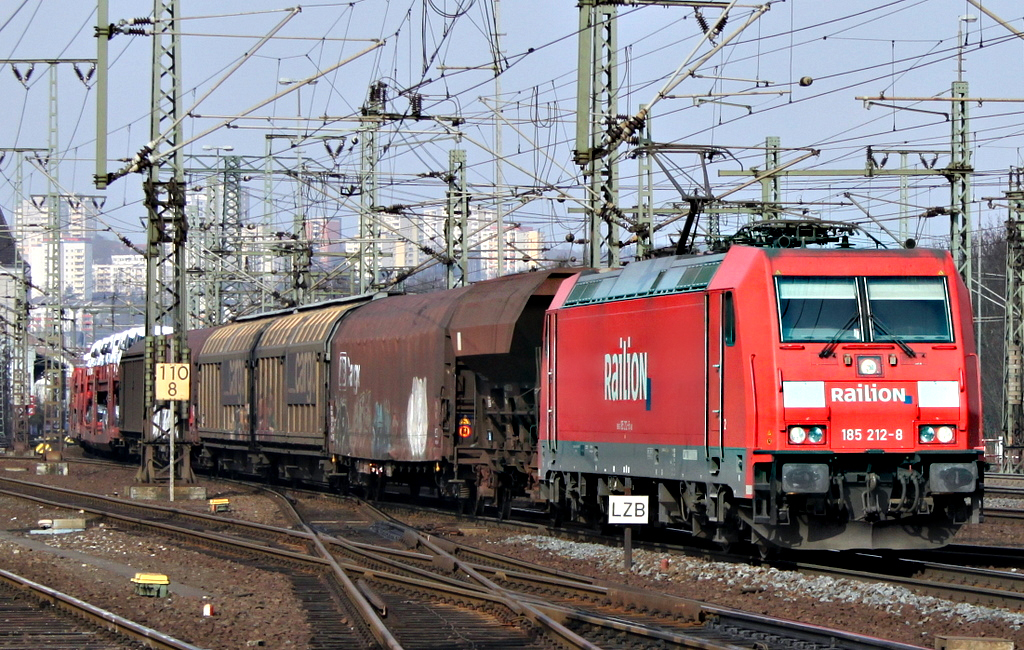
{"x": 627, "y": 379}
{"x": 634, "y": 377}
{"x": 615, "y": 376}
{"x": 868, "y": 393}
{"x": 607, "y": 376}
{"x": 643, "y": 377}
{"x": 625, "y": 374}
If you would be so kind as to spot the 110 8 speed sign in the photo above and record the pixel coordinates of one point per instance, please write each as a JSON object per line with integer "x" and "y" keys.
{"x": 172, "y": 381}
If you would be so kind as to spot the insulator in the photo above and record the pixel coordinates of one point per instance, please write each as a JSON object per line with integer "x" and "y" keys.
{"x": 701, "y": 20}
{"x": 721, "y": 23}
{"x": 416, "y": 104}
{"x": 378, "y": 92}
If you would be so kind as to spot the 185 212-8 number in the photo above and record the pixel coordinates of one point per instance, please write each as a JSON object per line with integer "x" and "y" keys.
{"x": 872, "y": 435}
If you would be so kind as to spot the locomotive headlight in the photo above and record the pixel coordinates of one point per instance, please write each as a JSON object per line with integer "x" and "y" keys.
{"x": 926, "y": 434}
{"x": 940, "y": 433}
{"x": 944, "y": 434}
{"x": 815, "y": 435}
{"x": 797, "y": 435}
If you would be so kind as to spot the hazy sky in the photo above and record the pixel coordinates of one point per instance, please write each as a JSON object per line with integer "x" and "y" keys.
{"x": 444, "y": 51}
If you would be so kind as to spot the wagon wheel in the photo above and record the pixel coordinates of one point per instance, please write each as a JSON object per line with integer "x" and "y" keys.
{"x": 468, "y": 499}
{"x": 504, "y": 502}
{"x": 767, "y": 552}
{"x": 556, "y": 514}
{"x": 376, "y": 487}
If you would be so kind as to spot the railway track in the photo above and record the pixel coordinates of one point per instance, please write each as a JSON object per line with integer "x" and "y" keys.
{"x": 941, "y": 574}
{"x": 1009, "y": 486}
{"x": 36, "y": 617}
{"x": 435, "y": 594}
{"x": 953, "y": 582}
{"x": 266, "y": 547}
{"x": 605, "y": 616}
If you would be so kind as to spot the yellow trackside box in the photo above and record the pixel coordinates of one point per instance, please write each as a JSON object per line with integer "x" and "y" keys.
{"x": 220, "y": 505}
{"x": 151, "y": 584}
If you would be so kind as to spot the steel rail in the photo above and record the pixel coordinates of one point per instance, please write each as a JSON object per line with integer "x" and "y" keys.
{"x": 96, "y": 616}
{"x": 1003, "y": 513}
{"x": 252, "y": 529}
{"x": 943, "y": 589}
{"x": 441, "y": 554}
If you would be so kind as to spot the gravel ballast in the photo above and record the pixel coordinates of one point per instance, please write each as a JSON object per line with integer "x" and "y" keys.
{"x": 254, "y": 606}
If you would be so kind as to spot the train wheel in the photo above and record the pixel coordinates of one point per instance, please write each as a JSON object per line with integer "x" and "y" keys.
{"x": 375, "y": 489}
{"x": 573, "y": 508}
{"x": 766, "y": 551}
{"x": 468, "y": 499}
{"x": 504, "y": 502}
{"x": 468, "y": 506}
{"x": 415, "y": 487}
{"x": 555, "y": 514}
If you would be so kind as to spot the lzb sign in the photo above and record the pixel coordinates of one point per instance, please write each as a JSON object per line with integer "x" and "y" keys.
{"x": 627, "y": 509}
{"x": 172, "y": 381}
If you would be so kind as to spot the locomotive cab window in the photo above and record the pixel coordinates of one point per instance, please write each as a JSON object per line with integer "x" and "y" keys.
{"x": 819, "y": 309}
{"x": 728, "y": 319}
{"x": 912, "y": 309}
{"x": 864, "y": 309}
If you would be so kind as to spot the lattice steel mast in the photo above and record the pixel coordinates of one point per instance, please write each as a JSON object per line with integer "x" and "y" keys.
{"x": 596, "y": 112}
{"x": 1013, "y": 370}
{"x": 166, "y": 305}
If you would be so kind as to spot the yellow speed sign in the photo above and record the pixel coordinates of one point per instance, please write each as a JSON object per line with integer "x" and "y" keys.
{"x": 172, "y": 381}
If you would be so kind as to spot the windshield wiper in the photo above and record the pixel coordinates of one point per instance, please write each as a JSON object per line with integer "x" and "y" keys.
{"x": 895, "y": 339}
{"x": 830, "y": 347}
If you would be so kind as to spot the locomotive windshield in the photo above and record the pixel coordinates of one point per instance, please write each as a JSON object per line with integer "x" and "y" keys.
{"x": 819, "y": 309}
{"x": 837, "y": 309}
{"x": 912, "y": 309}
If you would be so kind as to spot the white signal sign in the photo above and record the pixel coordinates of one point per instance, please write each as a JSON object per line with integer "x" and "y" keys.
{"x": 172, "y": 381}
{"x": 624, "y": 509}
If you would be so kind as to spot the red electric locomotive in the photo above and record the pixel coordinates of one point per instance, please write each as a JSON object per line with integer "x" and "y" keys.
{"x": 812, "y": 399}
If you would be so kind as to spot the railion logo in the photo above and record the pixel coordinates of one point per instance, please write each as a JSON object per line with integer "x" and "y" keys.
{"x": 871, "y": 393}
{"x": 625, "y": 375}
